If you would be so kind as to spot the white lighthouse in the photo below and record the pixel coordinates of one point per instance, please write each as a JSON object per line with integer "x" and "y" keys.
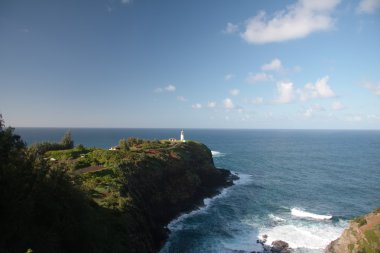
{"x": 182, "y": 136}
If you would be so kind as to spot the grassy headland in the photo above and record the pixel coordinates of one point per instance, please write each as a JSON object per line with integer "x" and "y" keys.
{"x": 79, "y": 199}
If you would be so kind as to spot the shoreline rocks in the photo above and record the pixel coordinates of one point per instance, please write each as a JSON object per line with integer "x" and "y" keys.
{"x": 277, "y": 246}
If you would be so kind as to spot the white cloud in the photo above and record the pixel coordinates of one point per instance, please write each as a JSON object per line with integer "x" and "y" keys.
{"x": 228, "y": 104}
{"x": 309, "y": 112}
{"x": 231, "y": 28}
{"x": 337, "y": 106}
{"x": 197, "y": 106}
{"x": 285, "y": 92}
{"x": 374, "y": 88}
{"x": 229, "y": 77}
{"x": 182, "y": 98}
{"x": 234, "y": 92}
{"x": 170, "y": 88}
{"x": 259, "y": 77}
{"x": 211, "y": 104}
{"x": 368, "y": 6}
{"x": 320, "y": 89}
{"x": 296, "y": 21}
{"x": 275, "y": 65}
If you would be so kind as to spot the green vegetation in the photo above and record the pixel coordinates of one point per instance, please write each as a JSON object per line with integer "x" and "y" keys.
{"x": 41, "y": 148}
{"x": 41, "y": 209}
{"x": 123, "y": 144}
{"x": 360, "y": 220}
{"x": 57, "y": 198}
{"x": 368, "y": 238}
{"x": 351, "y": 247}
{"x": 371, "y": 241}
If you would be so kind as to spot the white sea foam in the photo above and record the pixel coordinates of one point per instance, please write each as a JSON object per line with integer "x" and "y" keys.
{"x": 176, "y": 224}
{"x": 208, "y": 201}
{"x": 309, "y": 236}
{"x": 304, "y": 235}
{"x": 303, "y": 214}
{"x": 243, "y": 178}
{"x": 275, "y": 218}
{"x": 217, "y": 153}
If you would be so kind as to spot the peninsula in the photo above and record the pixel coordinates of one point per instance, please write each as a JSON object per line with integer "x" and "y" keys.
{"x": 61, "y": 198}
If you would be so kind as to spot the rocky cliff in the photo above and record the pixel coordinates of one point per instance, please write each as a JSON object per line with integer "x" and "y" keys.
{"x": 362, "y": 236}
{"x": 167, "y": 183}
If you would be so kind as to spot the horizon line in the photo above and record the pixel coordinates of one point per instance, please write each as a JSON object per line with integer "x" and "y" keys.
{"x": 202, "y": 128}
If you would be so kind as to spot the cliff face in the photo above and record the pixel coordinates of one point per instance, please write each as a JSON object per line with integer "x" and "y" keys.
{"x": 165, "y": 184}
{"x": 151, "y": 184}
{"x": 362, "y": 236}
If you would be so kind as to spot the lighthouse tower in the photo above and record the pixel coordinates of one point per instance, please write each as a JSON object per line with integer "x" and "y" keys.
{"x": 182, "y": 136}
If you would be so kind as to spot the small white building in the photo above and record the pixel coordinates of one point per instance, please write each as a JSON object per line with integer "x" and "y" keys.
{"x": 182, "y": 136}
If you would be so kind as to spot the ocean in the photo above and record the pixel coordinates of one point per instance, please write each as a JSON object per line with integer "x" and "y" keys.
{"x": 299, "y": 186}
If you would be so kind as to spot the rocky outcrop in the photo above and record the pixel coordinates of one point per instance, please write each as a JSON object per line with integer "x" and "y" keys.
{"x": 362, "y": 235}
{"x": 277, "y": 246}
{"x": 280, "y": 247}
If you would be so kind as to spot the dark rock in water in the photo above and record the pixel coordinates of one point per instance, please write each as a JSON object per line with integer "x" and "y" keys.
{"x": 280, "y": 247}
{"x": 262, "y": 241}
{"x": 280, "y": 244}
{"x": 276, "y": 247}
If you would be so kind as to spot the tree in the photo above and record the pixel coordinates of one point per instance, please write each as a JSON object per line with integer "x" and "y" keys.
{"x": 10, "y": 144}
{"x": 66, "y": 140}
{"x": 123, "y": 144}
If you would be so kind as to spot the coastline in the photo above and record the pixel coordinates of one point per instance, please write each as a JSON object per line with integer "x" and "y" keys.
{"x": 235, "y": 179}
{"x": 206, "y": 202}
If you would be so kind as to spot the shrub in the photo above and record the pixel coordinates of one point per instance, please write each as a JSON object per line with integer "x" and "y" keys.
{"x": 360, "y": 220}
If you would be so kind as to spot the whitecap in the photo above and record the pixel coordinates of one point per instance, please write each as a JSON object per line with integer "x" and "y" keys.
{"x": 243, "y": 178}
{"x": 217, "y": 153}
{"x": 275, "y": 218}
{"x": 303, "y": 214}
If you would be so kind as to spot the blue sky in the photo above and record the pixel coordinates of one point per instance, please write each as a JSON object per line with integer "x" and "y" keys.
{"x": 191, "y": 64}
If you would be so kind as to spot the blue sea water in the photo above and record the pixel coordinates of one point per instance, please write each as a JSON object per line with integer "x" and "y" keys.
{"x": 300, "y": 186}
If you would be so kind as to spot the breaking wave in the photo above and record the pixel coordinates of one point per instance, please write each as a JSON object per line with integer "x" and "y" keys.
{"x": 303, "y": 214}
{"x": 217, "y": 153}
{"x": 176, "y": 224}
